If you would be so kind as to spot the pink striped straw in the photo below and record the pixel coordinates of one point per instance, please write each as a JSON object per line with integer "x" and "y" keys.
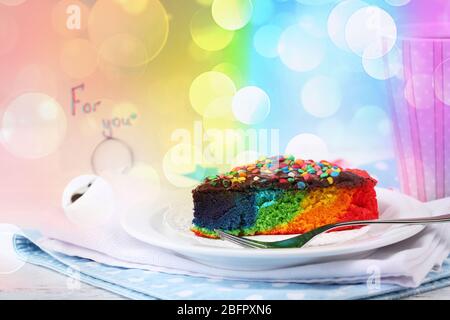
{"x": 400, "y": 152}
{"x": 413, "y": 124}
{"x": 438, "y": 53}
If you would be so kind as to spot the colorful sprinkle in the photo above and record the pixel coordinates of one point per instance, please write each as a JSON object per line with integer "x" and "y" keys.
{"x": 278, "y": 170}
{"x": 301, "y": 185}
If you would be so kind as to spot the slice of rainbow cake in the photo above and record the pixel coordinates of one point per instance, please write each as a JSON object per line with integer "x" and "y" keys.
{"x": 282, "y": 195}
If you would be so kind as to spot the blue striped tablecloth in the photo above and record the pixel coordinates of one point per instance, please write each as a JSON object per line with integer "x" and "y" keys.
{"x": 141, "y": 284}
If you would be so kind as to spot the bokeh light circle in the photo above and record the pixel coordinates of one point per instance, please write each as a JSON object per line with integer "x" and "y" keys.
{"x": 10, "y": 262}
{"x": 135, "y": 37}
{"x": 284, "y": 19}
{"x": 197, "y": 53}
{"x": 207, "y": 88}
{"x": 207, "y": 34}
{"x": 382, "y": 166}
{"x": 337, "y": 20}
{"x": 124, "y": 50}
{"x": 251, "y": 105}
{"x": 262, "y": 11}
{"x": 219, "y": 109}
{"x": 420, "y": 91}
{"x": 232, "y": 14}
{"x": 300, "y": 51}
{"x": 371, "y": 32}
{"x": 139, "y": 185}
{"x": 33, "y": 125}
{"x": 307, "y": 146}
{"x": 386, "y": 67}
{"x": 442, "y": 82}
{"x": 179, "y": 162}
{"x": 385, "y": 127}
{"x": 112, "y": 156}
{"x": 266, "y": 40}
{"x": 315, "y": 25}
{"x": 78, "y": 58}
{"x": 146, "y": 184}
{"x": 370, "y": 123}
{"x": 321, "y": 96}
{"x": 397, "y": 3}
{"x": 133, "y": 7}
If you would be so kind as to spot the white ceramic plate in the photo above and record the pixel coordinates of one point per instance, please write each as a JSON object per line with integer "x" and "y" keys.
{"x": 168, "y": 228}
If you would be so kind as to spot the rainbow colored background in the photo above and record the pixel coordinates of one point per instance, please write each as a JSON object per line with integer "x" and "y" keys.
{"x": 309, "y": 73}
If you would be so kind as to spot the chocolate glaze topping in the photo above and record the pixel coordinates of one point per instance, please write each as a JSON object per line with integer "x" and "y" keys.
{"x": 285, "y": 172}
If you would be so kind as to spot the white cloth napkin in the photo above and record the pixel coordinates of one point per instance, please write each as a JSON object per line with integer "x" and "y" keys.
{"x": 405, "y": 263}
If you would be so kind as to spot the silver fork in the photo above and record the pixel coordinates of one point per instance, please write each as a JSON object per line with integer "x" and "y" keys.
{"x": 301, "y": 240}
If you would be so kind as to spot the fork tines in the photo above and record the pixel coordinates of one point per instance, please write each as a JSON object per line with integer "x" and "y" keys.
{"x": 239, "y": 241}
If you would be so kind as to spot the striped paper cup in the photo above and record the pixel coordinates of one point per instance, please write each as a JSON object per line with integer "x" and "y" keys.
{"x": 420, "y": 111}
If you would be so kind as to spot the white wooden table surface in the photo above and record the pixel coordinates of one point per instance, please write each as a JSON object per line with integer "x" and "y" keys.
{"x": 32, "y": 282}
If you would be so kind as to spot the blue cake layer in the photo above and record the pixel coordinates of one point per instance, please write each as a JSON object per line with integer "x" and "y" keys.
{"x": 230, "y": 210}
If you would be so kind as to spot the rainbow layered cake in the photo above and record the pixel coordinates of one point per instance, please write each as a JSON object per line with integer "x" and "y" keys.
{"x": 282, "y": 195}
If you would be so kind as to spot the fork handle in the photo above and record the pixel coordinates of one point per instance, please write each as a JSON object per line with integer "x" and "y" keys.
{"x": 427, "y": 220}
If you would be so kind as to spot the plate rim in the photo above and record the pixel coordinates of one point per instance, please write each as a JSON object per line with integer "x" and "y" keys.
{"x": 192, "y": 251}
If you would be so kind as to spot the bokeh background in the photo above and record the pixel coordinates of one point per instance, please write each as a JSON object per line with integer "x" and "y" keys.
{"x": 121, "y": 86}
